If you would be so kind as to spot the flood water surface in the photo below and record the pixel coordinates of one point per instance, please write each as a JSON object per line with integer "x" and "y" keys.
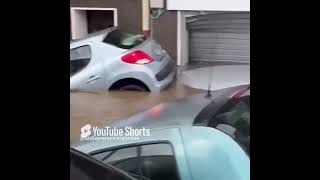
{"x": 98, "y": 109}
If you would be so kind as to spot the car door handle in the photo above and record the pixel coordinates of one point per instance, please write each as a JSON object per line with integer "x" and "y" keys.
{"x": 92, "y": 78}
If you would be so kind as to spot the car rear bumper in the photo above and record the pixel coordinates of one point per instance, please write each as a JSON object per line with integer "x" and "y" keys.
{"x": 165, "y": 72}
{"x": 166, "y": 81}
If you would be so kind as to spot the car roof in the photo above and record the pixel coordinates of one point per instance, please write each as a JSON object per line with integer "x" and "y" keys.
{"x": 206, "y": 148}
{"x": 212, "y": 154}
{"x": 178, "y": 113}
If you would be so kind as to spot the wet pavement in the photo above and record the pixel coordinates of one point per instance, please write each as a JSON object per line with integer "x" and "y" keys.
{"x": 100, "y": 109}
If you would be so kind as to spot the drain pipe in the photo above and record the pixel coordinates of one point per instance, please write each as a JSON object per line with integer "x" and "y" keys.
{"x": 145, "y": 18}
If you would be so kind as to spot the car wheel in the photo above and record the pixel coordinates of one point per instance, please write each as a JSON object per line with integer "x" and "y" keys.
{"x": 132, "y": 87}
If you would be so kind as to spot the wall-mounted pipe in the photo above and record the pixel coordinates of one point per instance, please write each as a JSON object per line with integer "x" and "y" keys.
{"x": 145, "y": 18}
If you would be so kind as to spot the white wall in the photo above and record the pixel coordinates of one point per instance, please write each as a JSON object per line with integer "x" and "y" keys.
{"x": 79, "y": 24}
{"x": 182, "y": 39}
{"x": 209, "y": 5}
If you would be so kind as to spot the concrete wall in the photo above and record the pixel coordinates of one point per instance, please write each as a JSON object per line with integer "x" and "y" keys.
{"x": 165, "y": 32}
{"x": 130, "y": 19}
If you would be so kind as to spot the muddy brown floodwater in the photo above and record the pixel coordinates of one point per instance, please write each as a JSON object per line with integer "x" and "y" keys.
{"x": 103, "y": 108}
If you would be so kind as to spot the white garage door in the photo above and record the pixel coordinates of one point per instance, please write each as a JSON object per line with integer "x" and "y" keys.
{"x": 220, "y": 37}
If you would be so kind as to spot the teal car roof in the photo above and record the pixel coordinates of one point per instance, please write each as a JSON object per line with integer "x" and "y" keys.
{"x": 211, "y": 154}
{"x": 202, "y": 153}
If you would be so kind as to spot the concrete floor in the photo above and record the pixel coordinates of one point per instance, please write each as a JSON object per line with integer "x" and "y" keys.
{"x": 103, "y": 108}
{"x": 218, "y": 77}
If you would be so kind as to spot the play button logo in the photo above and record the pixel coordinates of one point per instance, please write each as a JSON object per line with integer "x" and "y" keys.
{"x": 85, "y": 131}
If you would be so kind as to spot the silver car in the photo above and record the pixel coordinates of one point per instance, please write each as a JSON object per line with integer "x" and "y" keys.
{"x": 111, "y": 59}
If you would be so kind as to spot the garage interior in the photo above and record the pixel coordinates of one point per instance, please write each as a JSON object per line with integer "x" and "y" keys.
{"x": 99, "y": 20}
{"x": 88, "y": 20}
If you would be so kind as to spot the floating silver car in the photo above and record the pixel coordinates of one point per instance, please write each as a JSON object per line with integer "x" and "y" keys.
{"x": 111, "y": 59}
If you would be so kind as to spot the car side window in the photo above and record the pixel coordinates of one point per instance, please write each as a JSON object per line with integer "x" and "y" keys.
{"x": 234, "y": 120}
{"x": 149, "y": 162}
{"x": 124, "y": 159}
{"x": 79, "y": 59}
{"x": 83, "y": 167}
{"x": 158, "y": 162}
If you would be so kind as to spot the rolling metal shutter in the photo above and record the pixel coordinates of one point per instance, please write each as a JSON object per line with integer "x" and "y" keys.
{"x": 219, "y": 37}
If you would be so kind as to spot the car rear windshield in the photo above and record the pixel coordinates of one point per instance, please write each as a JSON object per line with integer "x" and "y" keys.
{"x": 124, "y": 40}
{"x": 234, "y": 119}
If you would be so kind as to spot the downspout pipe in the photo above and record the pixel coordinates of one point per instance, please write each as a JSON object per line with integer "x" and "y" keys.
{"x": 146, "y": 18}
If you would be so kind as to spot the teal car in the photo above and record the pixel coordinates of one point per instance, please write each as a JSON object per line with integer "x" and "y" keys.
{"x": 198, "y": 138}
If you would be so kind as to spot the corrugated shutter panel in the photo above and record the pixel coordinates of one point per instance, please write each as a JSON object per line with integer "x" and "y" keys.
{"x": 220, "y": 37}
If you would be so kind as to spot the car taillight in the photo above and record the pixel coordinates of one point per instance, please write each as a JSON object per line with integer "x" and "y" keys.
{"x": 239, "y": 92}
{"x": 136, "y": 57}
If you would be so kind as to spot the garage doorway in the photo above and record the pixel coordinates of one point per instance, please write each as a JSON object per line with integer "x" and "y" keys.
{"x": 214, "y": 38}
{"x": 88, "y": 20}
{"x": 220, "y": 37}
